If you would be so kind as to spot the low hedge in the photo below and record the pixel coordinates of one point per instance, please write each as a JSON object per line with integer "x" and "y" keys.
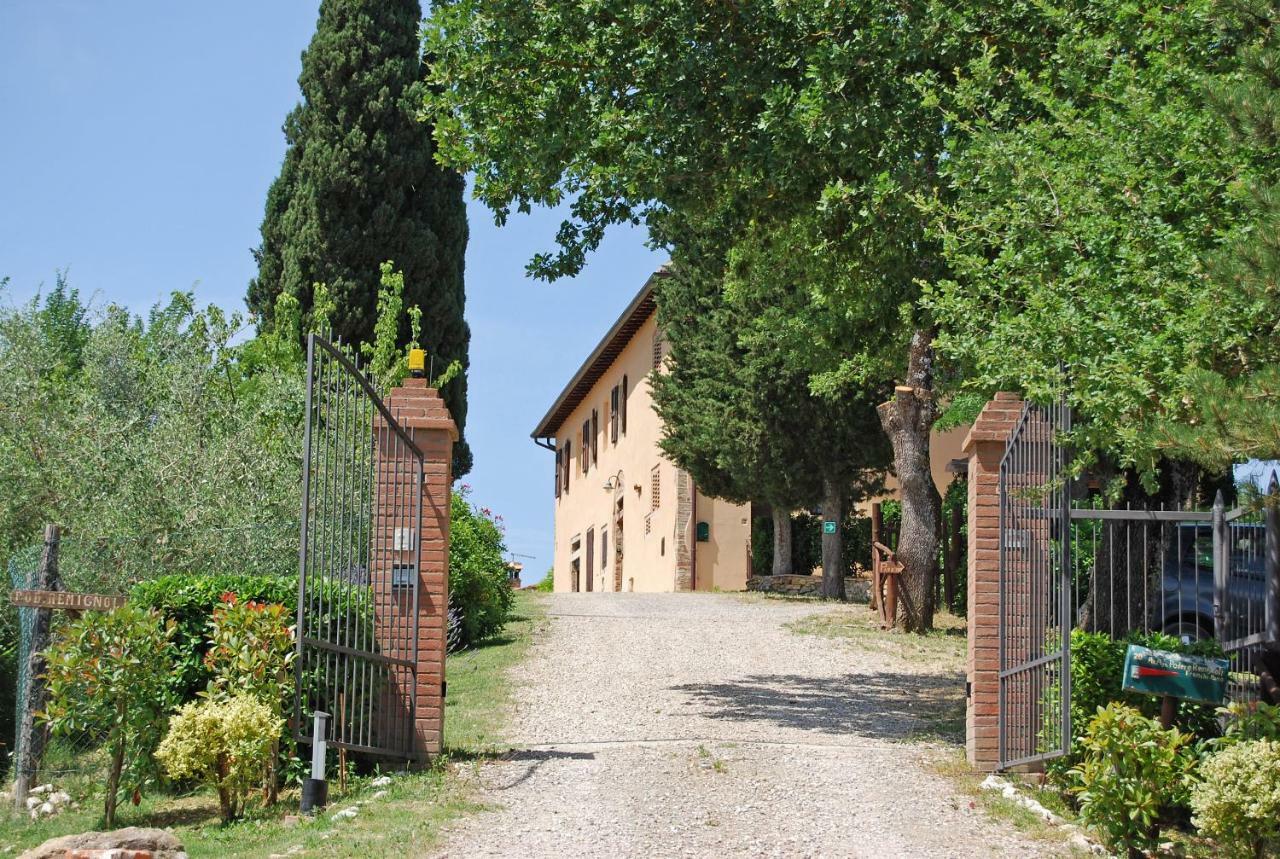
{"x": 190, "y": 600}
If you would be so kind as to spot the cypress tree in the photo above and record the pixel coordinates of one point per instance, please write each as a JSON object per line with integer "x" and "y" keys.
{"x": 359, "y": 185}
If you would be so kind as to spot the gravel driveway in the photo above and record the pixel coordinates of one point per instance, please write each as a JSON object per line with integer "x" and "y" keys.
{"x": 698, "y": 725}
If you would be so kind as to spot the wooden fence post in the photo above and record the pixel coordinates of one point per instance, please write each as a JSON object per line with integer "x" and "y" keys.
{"x": 31, "y": 738}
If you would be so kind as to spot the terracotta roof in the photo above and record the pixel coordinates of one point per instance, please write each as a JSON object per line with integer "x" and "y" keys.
{"x": 601, "y": 358}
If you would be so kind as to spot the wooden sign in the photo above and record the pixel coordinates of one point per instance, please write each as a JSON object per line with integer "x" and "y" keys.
{"x": 66, "y": 600}
{"x": 1160, "y": 672}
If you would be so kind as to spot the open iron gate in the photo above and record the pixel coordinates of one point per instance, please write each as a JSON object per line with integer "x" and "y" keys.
{"x": 1191, "y": 574}
{"x": 1035, "y": 591}
{"x": 357, "y": 636}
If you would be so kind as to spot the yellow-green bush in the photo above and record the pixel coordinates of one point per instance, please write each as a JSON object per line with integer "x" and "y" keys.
{"x": 1236, "y": 798}
{"x": 223, "y": 743}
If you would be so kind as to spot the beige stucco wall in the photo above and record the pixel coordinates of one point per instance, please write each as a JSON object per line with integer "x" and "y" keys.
{"x": 943, "y": 447}
{"x": 649, "y": 554}
{"x": 724, "y": 560}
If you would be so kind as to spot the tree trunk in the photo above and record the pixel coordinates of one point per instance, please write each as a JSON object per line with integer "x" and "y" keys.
{"x": 273, "y": 776}
{"x": 226, "y": 800}
{"x": 781, "y": 541}
{"x": 113, "y": 783}
{"x": 907, "y": 420}
{"x": 833, "y": 543}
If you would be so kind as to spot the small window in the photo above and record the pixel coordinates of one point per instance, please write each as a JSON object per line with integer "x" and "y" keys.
{"x": 657, "y": 349}
{"x": 613, "y": 414}
{"x": 595, "y": 435}
{"x": 655, "y": 488}
{"x": 566, "y": 464}
{"x": 559, "y": 459}
{"x": 586, "y": 446}
{"x": 623, "y": 405}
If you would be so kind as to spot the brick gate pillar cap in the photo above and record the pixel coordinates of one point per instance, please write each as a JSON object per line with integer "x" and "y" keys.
{"x": 996, "y": 421}
{"x": 418, "y": 407}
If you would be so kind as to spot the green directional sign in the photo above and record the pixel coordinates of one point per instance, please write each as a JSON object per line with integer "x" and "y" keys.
{"x": 828, "y": 527}
{"x": 1160, "y": 672}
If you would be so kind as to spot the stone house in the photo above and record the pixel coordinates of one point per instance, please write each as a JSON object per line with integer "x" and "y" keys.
{"x": 626, "y": 519}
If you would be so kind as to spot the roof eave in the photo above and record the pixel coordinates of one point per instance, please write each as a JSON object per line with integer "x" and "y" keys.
{"x": 555, "y": 416}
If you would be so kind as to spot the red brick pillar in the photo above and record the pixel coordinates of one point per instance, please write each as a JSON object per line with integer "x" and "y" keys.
{"x": 422, "y": 414}
{"x": 985, "y": 446}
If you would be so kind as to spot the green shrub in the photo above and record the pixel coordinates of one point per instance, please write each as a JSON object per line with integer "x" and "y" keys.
{"x": 548, "y": 583}
{"x": 1131, "y": 773}
{"x": 478, "y": 584}
{"x": 226, "y": 744}
{"x": 108, "y": 676}
{"x": 190, "y": 600}
{"x": 1236, "y": 798}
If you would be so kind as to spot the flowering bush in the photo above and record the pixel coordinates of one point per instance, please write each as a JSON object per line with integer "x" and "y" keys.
{"x": 251, "y": 652}
{"x": 223, "y": 743}
{"x": 1236, "y": 798}
{"x": 478, "y": 585}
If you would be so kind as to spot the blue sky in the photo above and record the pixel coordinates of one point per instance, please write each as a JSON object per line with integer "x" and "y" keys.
{"x": 138, "y": 142}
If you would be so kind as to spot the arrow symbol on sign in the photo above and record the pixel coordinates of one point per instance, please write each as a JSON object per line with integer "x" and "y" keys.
{"x": 1144, "y": 671}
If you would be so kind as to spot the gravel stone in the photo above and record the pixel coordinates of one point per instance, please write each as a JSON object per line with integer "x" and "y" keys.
{"x": 698, "y": 725}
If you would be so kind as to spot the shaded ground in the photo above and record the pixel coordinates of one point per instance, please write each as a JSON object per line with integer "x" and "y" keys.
{"x": 710, "y": 725}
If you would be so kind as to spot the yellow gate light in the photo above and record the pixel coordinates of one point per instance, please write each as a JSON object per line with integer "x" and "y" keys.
{"x": 417, "y": 363}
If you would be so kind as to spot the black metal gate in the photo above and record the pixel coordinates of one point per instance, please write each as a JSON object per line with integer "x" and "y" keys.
{"x": 357, "y": 634}
{"x": 1067, "y": 563}
{"x": 1035, "y": 599}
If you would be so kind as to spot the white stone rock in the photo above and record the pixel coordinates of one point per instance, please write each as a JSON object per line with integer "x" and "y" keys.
{"x": 48, "y": 808}
{"x": 345, "y": 814}
{"x": 33, "y": 802}
{"x": 60, "y": 797}
{"x": 378, "y": 795}
{"x": 41, "y": 790}
{"x": 381, "y": 781}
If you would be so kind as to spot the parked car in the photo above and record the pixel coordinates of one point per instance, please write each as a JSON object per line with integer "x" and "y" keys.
{"x": 1187, "y": 591}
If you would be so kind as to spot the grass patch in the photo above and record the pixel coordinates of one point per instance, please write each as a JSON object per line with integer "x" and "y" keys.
{"x": 944, "y": 647}
{"x": 956, "y": 768}
{"x": 412, "y": 812}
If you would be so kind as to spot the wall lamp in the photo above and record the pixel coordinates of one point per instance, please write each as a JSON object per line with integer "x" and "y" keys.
{"x": 613, "y": 482}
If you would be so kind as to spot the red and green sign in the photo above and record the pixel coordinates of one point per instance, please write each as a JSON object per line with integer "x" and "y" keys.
{"x": 1160, "y": 672}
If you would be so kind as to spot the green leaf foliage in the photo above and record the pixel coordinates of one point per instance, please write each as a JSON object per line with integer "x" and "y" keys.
{"x": 190, "y": 602}
{"x": 1097, "y": 675}
{"x": 359, "y": 185}
{"x": 107, "y": 677}
{"x": 251, "y": 651}
{"x": 1088, "y": 187}
{"x": 1132, "y": 772}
